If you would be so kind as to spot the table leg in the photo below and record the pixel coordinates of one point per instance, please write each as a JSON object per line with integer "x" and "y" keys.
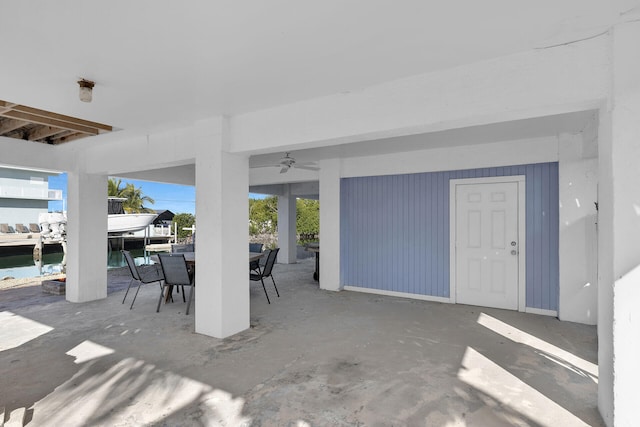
{"x": 316, "y": 274}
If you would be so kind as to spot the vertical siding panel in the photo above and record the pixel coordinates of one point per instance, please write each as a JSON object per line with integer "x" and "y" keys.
{"x": 537, "y": 249}
{"x": 544, "y": 261}
{"x": 444, "y": 290}
{"x": 421, "y": 219}
{"x": 395, "y": 231}
{"x": 441, "y": 223}
{"x": 554, "y": 219}
{"x": 371, "y": 233}
{"x": 367, "y": 208}
{"x": 411, "y": 215}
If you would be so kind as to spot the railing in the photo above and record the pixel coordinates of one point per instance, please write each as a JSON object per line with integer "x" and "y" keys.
{"x": 26, "y": 192}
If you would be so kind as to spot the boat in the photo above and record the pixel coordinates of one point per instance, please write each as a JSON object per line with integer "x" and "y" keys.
{"x": 125, "y": 223}
{"x": 118, "y": 221}
{"x": 54, "y": 225}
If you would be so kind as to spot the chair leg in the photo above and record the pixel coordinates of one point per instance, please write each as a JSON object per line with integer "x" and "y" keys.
{"x": 274, "y": 285}
{"x": 126, "y": 293}
{"x": 136, "y": 295}
{"x": 161, "y": 296}
{"x": 183, "y": 300}
{"x": 193, "y": 288}
{"x": 265, "y": 290}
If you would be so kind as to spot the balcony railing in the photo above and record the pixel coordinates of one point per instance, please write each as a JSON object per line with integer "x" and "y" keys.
{"x": 26, "y": 192}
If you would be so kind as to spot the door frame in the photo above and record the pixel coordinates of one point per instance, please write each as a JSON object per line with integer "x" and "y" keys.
{"x": 522, "y": 232}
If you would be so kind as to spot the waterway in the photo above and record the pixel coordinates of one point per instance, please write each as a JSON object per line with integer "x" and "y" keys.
{"x": 23, "y": 265}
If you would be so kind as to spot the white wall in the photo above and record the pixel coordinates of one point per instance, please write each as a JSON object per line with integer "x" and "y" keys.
{"x": 619, "y": 346}
{"x": 530, "y": 84}
{"x": 539, "y": 150}
{"x": 578, "y": 181}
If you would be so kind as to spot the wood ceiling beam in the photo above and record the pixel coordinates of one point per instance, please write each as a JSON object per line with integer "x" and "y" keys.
{"x": 6, "y": 106}
{"x": 51, "y": 122}
{"x": 67, "y": 138}
{"x": 8, "y": 125}
{"x": 44, "y": 132}
{"x": 61, "y": 117}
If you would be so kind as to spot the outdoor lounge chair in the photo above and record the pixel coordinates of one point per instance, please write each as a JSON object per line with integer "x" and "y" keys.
{"x": 266, "y": 270}
{"x": 176, "y": 273}
{"x": 7, "y": 229}
{"x": 142, "y": 274}
{"x": 34, "y": 228}
{"x": 20, "y": 228}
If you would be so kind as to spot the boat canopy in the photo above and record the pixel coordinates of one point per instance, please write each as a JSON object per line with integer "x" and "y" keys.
{"x": 114, "y": 205}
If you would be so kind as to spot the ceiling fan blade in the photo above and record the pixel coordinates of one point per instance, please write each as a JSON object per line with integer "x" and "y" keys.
{"x": 284, "y": 169}
{"x": 309, "y": 168}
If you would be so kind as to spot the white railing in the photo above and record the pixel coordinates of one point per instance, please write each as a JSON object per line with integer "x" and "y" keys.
{"x": 26, "y": 192}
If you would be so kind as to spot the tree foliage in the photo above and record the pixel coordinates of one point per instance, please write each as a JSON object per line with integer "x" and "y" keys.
{"x": 307, "y": 218}
{"x": 263, "y": 216}
{"x": 184, "y": 220}
{"x": 136, "y": 200}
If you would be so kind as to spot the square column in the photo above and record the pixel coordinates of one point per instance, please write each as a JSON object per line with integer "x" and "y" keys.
{"x": 222, "y": 221}
{"x": 619, "y": 234}
{"x": 287, "y": 227}
{"x": 578, "y": 191}
{"x": 86, "y": 237}
{"x": 330, "y": 224}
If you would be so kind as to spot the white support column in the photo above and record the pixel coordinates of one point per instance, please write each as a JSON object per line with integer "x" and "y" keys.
{"x": 86, "y": 237}
{"x": 287, "y": 227}
{"x": 619, "y": 228}
{"x": 578, "y": 178}
{"x": 330, "y": 225}
{"x": 222, "y": 215}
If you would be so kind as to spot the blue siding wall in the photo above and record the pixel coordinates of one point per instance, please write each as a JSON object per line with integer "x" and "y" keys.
{"x": 395, "y": 231}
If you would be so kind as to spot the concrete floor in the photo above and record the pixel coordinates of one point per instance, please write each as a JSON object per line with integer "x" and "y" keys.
{"x": 310, "y": 358}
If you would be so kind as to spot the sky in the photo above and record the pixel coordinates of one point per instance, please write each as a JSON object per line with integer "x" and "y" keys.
{"x": 173, "y": 197}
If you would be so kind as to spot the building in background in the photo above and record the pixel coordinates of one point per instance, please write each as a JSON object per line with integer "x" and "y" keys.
{"x": 24, "y": 194}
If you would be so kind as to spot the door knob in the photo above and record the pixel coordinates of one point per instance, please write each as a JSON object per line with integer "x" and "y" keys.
{"x": 513, "y": 243}
{"x": 514, "y": 252}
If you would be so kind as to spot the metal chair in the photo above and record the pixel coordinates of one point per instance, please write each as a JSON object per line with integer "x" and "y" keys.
{"x": 266, "y": 271}
{"x": 143, "y": 274}
{"x": 255, "y": 247}
{"x": 176, "y": 273}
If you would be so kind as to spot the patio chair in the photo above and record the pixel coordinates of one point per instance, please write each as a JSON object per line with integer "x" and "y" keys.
{"x": 255, "y": 247}
{"x": 187, "y": 247}
{"x": 34, "y": 228}
{"x": 20, "y": 228}
{"x": 6, "y": 228}
{"x": 142, "y": 274}
{"x": 176, "y": 273}
{"x": 266, "y": 271}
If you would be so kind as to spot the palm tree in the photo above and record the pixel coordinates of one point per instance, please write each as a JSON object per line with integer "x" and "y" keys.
{"x": 135, "y": 198}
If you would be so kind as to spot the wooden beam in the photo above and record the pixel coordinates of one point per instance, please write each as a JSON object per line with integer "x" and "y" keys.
{"x": 42, "y": 132}
{"x": 6, "y": 106}
{"x": 67, "y": 138}
{"x": 51, "y": 122}
{"x": 7, "y": 125}
{"x": 61, "y": 117}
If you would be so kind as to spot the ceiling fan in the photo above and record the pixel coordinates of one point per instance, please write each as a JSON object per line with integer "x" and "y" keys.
{"x": 287, "y": 162}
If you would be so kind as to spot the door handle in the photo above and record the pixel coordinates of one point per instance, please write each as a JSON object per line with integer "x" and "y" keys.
{"x": 514, "y": 252}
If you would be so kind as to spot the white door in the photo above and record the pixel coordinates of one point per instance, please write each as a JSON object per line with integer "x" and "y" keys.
{"x": 486, "y": 262}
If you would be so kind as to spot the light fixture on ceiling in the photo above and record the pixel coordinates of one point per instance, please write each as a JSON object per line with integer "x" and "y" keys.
{"x": 86, "y": 90}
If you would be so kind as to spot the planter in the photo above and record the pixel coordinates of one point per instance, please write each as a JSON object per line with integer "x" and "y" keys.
{"x": 54, "y": 287}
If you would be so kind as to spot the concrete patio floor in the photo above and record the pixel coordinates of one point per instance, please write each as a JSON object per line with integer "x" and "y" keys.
{"x": 310, "y": 358}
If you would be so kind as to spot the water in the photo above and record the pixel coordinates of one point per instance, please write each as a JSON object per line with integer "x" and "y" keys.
{"x": 21, "y": 266}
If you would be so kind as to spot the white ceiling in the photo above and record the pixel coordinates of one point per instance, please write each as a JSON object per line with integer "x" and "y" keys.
{"x": 161, "y": 62}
